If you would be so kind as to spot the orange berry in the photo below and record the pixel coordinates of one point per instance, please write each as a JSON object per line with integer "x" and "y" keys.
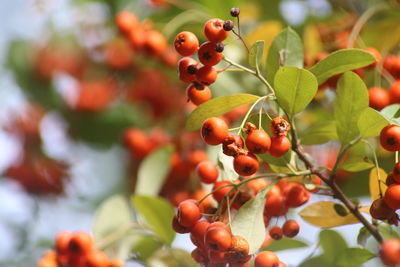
{"x": 207, "y": 54}
{"x": 198, "y": 93}
{"x": 80, "y": 243}
{"x": 207, "y": 171}
{"x": 390, "y": 252}
{"x": 126, "y": 21}
{"x": 390, "y": 138}
{"x": 214, "y": 130}
{"x": 186, "y": 44}
{"x": 279, "y": 146}
{"x": 206, "y": 75}
{"x": 392, "y": 196}
{"x": 276, "y": 232}
{"x": 214, "y": 30}
{"x": 258, "y": 141}
{"x": 218, "y": 238}
{"x": 291, "y": 228}
{"x": 378, "y": 98}
{"x": 188, "y": 213}
{"x": 266, "y": 259}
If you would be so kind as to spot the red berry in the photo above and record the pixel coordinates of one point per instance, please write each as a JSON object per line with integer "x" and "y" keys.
{"x": 206, "y": 75}
{"x": 126, "y": 21}
{"x": 266, "y": 259}
{"x": 198, "y": 94}
{"x": 218, "y": 238}
{"x": 207, "y": 54}
{"x": 258, "y": 142}
{"x": 392, "y": 196}
{"x": 276, "y": 233}
{"x": 390, "y": 252}
{"x": 214, "y": 30}
{"x": 97, "y": 258}
{"x": 375, "y": 53}
{"x": 183, "y": 66}
{"x": 179, "y": 228}
{"x": 246, "y": 165}
{"x": 291, "y": 228}
{"x": 378, "y": 98}
{"x": 221, "y": 189}
{"x": 188, "y": 213}
{"x": 390, "y": 138}
{"x": 80, "y": 243}
{"x": 207, "y": 171}
{"x": 214, "y": 130}
{"x": 186, "y": 44}
{"x": 394, "y": 92}
{"x": 279, "y": 146}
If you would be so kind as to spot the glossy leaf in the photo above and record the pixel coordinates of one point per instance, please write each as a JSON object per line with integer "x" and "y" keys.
{"x": 371, "y": 122}
{"x": 319, "y": 133}
{"x": 285, "y": 50}
{"x": 217, "y": 107}
{"x": 151, "y": 179}
{"x": 351, "y": 100}
{"x": 332, "y": 243}
{"x": 286, "y": 243}
{"x": 356, "y": 164}
{"x": 157, "y": 214}
{"x": 115, "y": 207}
{"x": 374, "y": 183}
{"x": 341, "y": 61}
{"x": 256, "y": 53}
{"x": 353, "y": 257}
{"x": 294, "y": 88}
{"x": 249, "y": 223}
{"x": 323, "y": 214}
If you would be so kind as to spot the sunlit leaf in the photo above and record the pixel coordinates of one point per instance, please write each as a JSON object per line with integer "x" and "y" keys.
{"x": 285, "y": 244}
{"x": 332, "y": 243}
{"x": 371, "y": 122}
{"x": 323, "y": 214}
{"x": 157, "y": 214}
{"x": 294, "y": 88}
{"x": 341, "y": 61}
{"x": 351, "y": 100}
{"x": 151, "y": 179}
{"x": 356, "y": 164}
{"x": 353, "y": 257}
{"x": 217, "y": 107}
{"x": 392, "y": 111}
{"x": 374, "y": 183}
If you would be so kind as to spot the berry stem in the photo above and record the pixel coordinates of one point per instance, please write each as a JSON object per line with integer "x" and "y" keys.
{"x": 376, "y": 167}
{"x": 343, "y": 151}
{"x": 248, "y": 114}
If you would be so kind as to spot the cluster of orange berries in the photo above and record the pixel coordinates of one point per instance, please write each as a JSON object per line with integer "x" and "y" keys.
{"x": 209, "y": 54}
{"x": 143, "y": 38}
{"x": 76, "y": 250}
{"x": 379, "y": 97}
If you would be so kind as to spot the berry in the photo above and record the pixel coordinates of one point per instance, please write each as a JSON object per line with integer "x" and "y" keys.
{"x": 235, "y": 11}
{"x": 188, "y": 213}
{"x": 394, "y": 92}
{"x": 279, "y": 146}
{"x": 266, "y": 259}
{"x": 378, "y": 98}
{"x": 239, "y": 250}
{"x": 186, "y": 44}
{"x": 207, "y": 171}
{"x": 232, "y": 145}
{"x": 291, "y": 228}
{"x": 219, "y": 47}
{"x": 279, "y": 126}
{"x": 183, "y": 69}
{"x": 390, "y": 138}
{"x": 96, "y": 259}
{"x": 390, "y": 252}
{"x": 392, "y": 196}
{"x": 218, "y": 238}
{"x": 62, "y": 241}
{"x": 208, "y": 55}
{"x": 214, "y": 131}
{"x": 379, "y": 210}
{"x": 155, "y": 43}
{"x": 199, "y": 230}
{"x": 126, "y": 21}
{"x": 228, "y": 25}
{"x": 246, "y": 165}
{"x": 198, "y": 94}
{"x": 199, "y": 256}
{"x": 206, "y": 75}
{"x": 221, "y": 189}
{"x": 80, "y": 243}
{"x": 390, "y": 180}
{"x": 275, "y": 203}
{"x": 179, "y": 228}
{"x": 375, "y": 53}
{"x": 258, "y": 142}
{"x": 396, "y": 172}
{"x": 296, "y": 196}
{"x": 214, "y": 31}
{"x": 276, "y": 233}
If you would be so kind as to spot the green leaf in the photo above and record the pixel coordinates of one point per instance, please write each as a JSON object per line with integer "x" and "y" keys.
{"x": 351, "y": 100}
{"x": 319, "y": 133}
{"x": 354, "y": 257}
{"x": 285, "y": 50}
{"x": 217, "y": 107}
{"x": 332, "y": 243}
{"x": 249, "y": 223}
{"x": 285, "y": 244}
{"x": 115, "y": 207}
{"x": 281, "y": 161}
{"x": 363, "y": 236}
{"x": 388, "y": 231}
{"x": 341, "y": 61}
{"x": 371, "y": 122}
{"x": 315, "y": 262}
{"x": 294, "y": 88}
{"x": 356, "y": 164}
{"x": 151, "y": 178}
{"x": 158, "y": 214}
{"x": 392, "y": 111}
{"x": 256, "y": 53}
{"x": 141, "y": 245}
{"x": 171, "y": 257}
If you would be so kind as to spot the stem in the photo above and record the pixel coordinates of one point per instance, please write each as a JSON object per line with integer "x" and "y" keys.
{"x": 376, "y": 167}
{"x": 248, "y": 114}
{"x": 241, "y": 39}
{"x": 239, "y": 66}
{"x": 342, "y": 153}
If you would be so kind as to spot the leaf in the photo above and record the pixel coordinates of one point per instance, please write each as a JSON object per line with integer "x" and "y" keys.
{"x": 356, "y": 164}
{"x": 217, "y": 107}
{"x": 332, "y": 244}
{"x": 315, "y": 262}
{"x": 392, "y": 111}
{"x": 281, "y": 161}
{"x": 340, "y": 209}
{"x": 374, "y": 183}
{"x": 354, "y": 257}
{"x": 351, "y": 100}
{"x": 341, "y": 61}
{"x": 388, "y": 231}
{"x": 141, "y": 245}
{"x": 323, "y": 214}
{"x": 171, "y": 257}
{"x": 226, "y": 165}
{"x": 256, "y": 53}
{"x": 371, "y": 122}
{"x": 151, "y": 178}
{"x": 249, "y": 223}
{"x": 157, "y": 213}
{"x": 285, "y": 244}
{"x": 115, "y": 207}
{"x": 294, "y": 88}
{"x": 287, "y": 48}
{"x": 363, "y": 236}
{"x": 319, "y": 133}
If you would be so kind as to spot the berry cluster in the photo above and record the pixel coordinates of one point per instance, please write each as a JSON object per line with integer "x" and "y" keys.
{"x": 76, "y": 250}
{"x": 209, "y": 54}
{"x": 379, "y": 97}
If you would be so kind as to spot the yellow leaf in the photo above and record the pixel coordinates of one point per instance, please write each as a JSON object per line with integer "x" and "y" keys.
{"x": 323, "y": 214}
{"x": 374, "y": 183}
{"x": 266, "y": 31}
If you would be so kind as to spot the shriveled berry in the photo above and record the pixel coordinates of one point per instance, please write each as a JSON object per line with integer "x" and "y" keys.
{"x": 218, "y": 238}
{"x": 235, "y": 11}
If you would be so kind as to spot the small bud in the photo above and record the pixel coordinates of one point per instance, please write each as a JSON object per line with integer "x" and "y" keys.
{"x": 235, "y": 11}
{"x": 192, "y": 69}
{"x": 228, "y": 25}
{"x": 219, "y": 47}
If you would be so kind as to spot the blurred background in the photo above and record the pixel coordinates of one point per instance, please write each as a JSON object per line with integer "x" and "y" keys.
{"x": 71, "y": 85}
